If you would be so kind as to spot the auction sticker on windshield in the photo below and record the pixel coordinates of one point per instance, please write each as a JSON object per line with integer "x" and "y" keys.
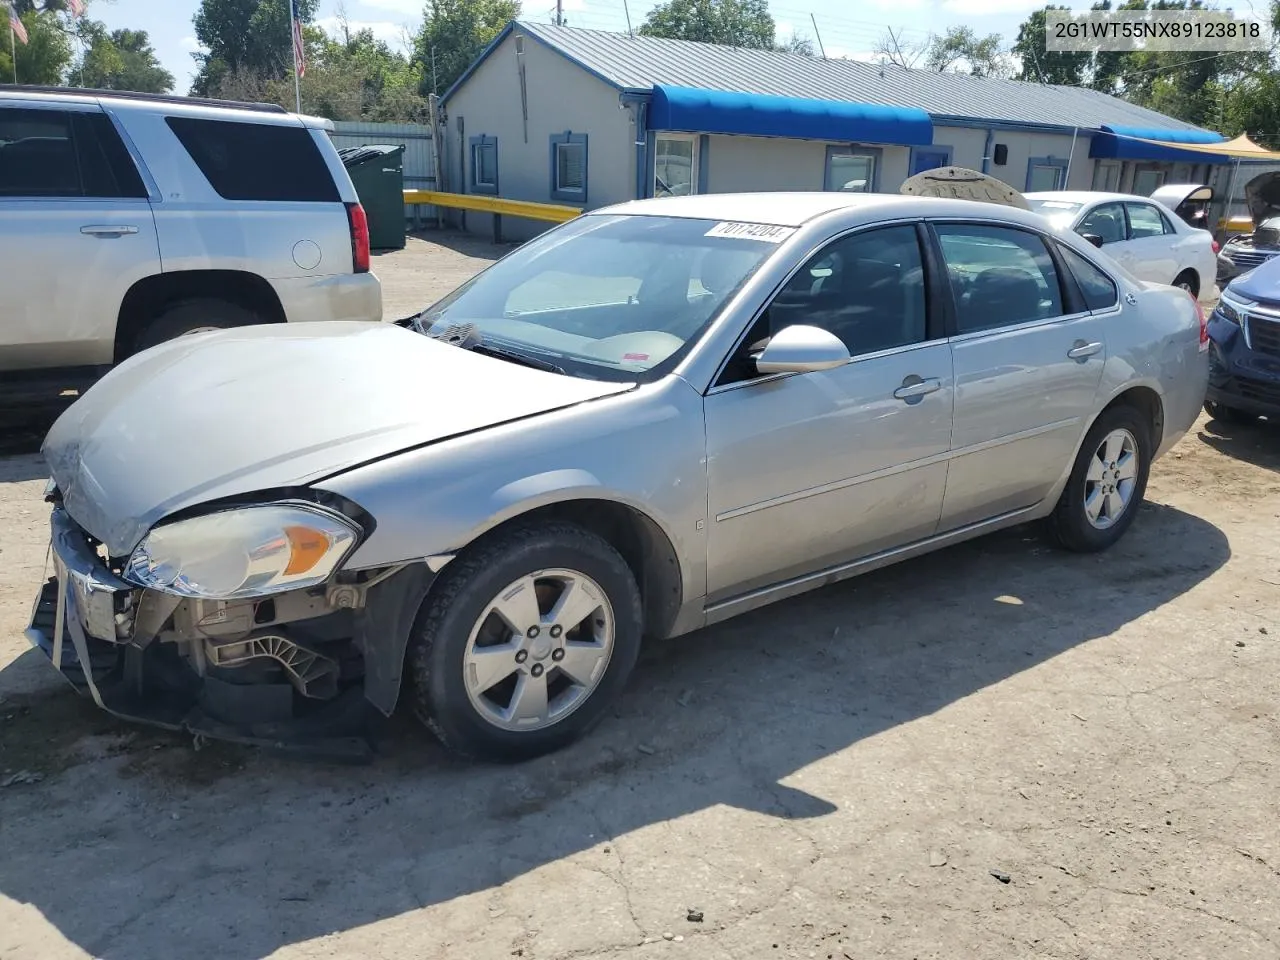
{"x": 767, "y": 232}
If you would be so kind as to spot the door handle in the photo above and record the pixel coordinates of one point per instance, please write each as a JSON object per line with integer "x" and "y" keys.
{"x": 917, "y": 388}
{"x": 108, "y": 230}
{"x": 1082, "y": 350}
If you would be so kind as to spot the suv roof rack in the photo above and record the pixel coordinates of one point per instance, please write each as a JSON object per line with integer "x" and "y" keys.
{"x": 152, "y": 97}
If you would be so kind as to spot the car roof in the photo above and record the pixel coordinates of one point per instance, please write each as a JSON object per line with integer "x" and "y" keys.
{"x": 794, "y": 209}
{"x": 1083, "y": 196}
{"x": 169, "y": 103}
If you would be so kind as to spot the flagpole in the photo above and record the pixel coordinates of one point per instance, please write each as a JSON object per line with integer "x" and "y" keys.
{"x": 13, "y": 51}
{"x": 295, "y": 31}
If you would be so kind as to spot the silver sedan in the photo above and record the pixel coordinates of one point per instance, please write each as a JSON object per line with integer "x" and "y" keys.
{"x": 655, "y": 417}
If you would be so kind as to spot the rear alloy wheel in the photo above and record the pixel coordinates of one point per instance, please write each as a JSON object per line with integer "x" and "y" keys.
{"x": 194, "y": 316}
{"x": 1225, "y": 414}
{"x": 525, "y": 642}
{"x": 1187, "y": 281}
{"x": 1107, "y": 483}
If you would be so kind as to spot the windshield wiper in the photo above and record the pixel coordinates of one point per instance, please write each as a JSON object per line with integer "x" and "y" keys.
{"x": 501, "y": 353}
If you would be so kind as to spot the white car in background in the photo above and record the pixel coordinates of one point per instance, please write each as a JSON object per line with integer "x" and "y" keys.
{"x": 1139, "y": 234}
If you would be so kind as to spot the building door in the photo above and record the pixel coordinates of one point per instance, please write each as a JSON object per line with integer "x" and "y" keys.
{"x": 675, "y": 165}
{"x": 1106, "y": 176}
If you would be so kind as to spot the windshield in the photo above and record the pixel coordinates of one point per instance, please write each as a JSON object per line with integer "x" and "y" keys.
{"x": 609, "y": 296}
{"x": 1059, "y": 212}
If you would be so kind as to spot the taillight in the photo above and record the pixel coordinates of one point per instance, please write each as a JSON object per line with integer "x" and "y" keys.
{"x": 1216, "y": 246}
{"x": 359, "y": 224}
{"x": 1204, "y": 322}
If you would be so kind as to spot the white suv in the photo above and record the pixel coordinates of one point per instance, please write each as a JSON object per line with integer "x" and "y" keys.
{"x": 130, "y": 219}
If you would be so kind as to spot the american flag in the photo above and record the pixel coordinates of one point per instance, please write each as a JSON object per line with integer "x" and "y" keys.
{"x": 15, "y": 25}
{"x": 76, "y": 7}
{"x": 299, "y": 48}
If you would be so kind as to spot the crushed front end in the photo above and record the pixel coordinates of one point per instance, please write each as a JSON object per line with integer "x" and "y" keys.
{"x": 306, "y": 670}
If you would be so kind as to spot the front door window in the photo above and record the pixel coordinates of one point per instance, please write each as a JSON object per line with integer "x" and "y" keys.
{"x": 675, "y": 166}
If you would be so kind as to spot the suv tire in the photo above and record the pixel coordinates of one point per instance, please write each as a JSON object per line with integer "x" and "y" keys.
{"x": 194, "y": 316}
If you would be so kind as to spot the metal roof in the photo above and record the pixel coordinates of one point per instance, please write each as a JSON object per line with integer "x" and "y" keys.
{"x": 637, "y": 63}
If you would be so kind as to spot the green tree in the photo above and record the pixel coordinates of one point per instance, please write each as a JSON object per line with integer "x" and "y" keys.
{"x": 239, "y": 36}
{"x": 456, "y": 31}
{"x": 960, "y": 50}
{"x": 356, "y": 76}
{"x": 119, "y": 60}
{"x": 41, "y": 6}
{"x": 1047, "y": 66}
{"x": 44, "y": 58}
{"x": 736, "y": 23}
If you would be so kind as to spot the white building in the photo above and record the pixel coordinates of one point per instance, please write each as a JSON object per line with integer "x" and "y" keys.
{"x": 589, "y": 118}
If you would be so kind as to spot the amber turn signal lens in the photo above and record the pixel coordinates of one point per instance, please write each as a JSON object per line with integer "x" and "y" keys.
{"x": 307, "y": 547}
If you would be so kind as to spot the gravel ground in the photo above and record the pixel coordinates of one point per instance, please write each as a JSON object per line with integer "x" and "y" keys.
{"x": 996, "y": 751}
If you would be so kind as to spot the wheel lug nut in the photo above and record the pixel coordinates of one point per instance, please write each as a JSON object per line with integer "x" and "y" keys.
{"x": 557, "y": 655}
{"x": 537, "y": 670}
{"x": 532, "y": 632}
{"x": 557, "y": 630}
{"x": 522, "y": 656}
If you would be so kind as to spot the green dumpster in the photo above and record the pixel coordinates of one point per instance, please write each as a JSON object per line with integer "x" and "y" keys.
{"x": 377, "y": 170}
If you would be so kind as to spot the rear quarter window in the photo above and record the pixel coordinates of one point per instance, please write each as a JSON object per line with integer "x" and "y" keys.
{"x": 1099, "y": 290}
{"x": 257, "y": 161}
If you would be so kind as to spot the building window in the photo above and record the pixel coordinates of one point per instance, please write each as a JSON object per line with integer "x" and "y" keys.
{"x": 852, "y": 169}
{"x": 675, "y": 165}
{"x": 569, "y": 166}
{"x": 1106, "y": 177}
{"x": 484, "y": 164}
{"x": 1146, "y": 182}
{"x": 929, "y": 158}
{"x": 1046, "y": 173}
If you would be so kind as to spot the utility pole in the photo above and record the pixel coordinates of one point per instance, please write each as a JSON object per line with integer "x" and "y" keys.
{"x": 821, "y": 49}
{"x": 559, "y": 13}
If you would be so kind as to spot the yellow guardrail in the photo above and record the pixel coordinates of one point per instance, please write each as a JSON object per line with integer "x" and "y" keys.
{"x": 552, "y": 212}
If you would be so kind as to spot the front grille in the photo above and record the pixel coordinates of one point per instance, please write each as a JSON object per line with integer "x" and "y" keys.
{"x": 1248, "y": 259}
{"x": 1259, "y": 390}
{"x": 1264, "y": 335}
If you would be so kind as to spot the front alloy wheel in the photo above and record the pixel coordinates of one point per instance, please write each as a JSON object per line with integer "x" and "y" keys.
{"x": 525, "y": 641}
{"x": 539, "y": 649}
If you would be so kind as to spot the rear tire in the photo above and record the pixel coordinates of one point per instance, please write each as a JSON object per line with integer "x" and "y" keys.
{"x": 1107, "y": 482}
{"x": 471, "y": 666}
{"x": 194, "y": 316}
{"x": 1226, "y": 414}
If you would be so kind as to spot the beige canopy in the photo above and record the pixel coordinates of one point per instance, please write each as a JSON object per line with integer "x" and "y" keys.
{"x": 1241, "y": 148}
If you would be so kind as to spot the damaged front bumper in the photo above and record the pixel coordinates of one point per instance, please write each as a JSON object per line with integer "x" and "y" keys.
{"x": 305, "y": 672}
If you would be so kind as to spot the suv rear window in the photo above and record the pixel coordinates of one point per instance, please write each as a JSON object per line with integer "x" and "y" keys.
{"x": 257, "y": 161}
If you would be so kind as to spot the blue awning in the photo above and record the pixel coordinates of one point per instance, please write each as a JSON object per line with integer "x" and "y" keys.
{"x": 1132, "y": 143}
{"x": 694, "y": 110}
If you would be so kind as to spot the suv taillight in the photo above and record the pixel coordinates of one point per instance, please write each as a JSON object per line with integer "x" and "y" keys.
{"x": 359, "y": 224}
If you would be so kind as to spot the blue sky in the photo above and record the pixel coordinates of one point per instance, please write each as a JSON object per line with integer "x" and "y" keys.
{"x": 846, "y": 29}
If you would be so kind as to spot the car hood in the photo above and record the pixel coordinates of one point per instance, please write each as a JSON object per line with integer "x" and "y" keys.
{"x": 1262, "y": 193}
{"x": 266, "y": 407}
{"x": 1260, "y": 284}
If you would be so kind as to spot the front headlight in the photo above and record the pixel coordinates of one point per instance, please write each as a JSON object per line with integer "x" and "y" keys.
{"x": 1233, "y": 308}
{"x": 243, "y": 552}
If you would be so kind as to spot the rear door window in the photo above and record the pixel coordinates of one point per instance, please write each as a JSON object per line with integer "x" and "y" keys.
{"x": 64, "y": 153}
{"x": 257, "y": 161}
{"x": 1000, "y": 277}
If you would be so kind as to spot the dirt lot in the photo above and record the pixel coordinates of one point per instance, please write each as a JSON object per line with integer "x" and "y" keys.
{"x": 996, "y": 751}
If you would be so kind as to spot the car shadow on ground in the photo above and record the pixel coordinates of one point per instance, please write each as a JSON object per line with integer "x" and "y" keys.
{"x": 236, "y": 855}
{"x": 1257, "y": 442}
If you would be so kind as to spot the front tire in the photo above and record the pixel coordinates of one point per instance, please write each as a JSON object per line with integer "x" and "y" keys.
{"x": 525, "y": 642}
{"x": 1107, "y": 482}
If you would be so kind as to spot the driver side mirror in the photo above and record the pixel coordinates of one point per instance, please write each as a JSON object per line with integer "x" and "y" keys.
{"x": 1093, "y": 238}
{"x": 800, "y": 348}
